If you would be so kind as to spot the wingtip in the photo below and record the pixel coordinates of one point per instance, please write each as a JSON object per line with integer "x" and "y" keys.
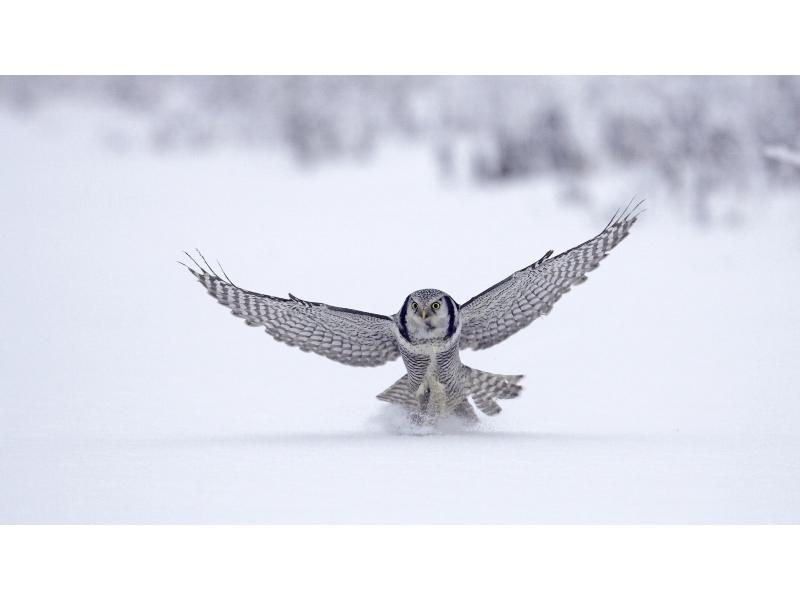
{"x": 628, "y": 214}
{"x": 210, "y": 270}
{"x": 635, "y": 215}
{"x": 228, "y": 279}
{"x": 195, "y": 262}
{"x": 206, "y": 263}
{"x": 613, "y": 219}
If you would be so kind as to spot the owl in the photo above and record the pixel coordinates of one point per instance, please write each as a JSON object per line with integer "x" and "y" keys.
{"x": 430, "y": 329}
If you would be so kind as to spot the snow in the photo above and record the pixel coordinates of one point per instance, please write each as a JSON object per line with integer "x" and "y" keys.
{"x": 664, "y": 390}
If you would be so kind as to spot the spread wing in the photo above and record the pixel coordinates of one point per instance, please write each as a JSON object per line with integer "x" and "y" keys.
{"x": 346, "y": 336}
{"x": 518, "y": 300}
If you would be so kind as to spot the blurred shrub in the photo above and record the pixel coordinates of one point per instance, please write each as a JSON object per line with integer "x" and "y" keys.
{"x": 698, "y": 136}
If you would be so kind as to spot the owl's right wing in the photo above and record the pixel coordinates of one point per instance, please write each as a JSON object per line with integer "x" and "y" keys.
{"x": 346, "y": 336}
{"x": 518, "y": 300}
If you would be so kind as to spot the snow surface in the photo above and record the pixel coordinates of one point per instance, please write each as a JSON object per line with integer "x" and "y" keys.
{"x": 664, "y": 390}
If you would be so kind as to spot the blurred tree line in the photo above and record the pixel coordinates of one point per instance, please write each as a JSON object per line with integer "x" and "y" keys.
{"x": 698, "y": 138}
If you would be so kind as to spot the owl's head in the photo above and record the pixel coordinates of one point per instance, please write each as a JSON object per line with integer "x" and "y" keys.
{"x": 428, "y": 315}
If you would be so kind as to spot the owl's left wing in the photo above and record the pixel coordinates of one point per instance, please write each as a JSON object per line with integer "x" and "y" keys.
{"x": 518, "y": 300}
{"x": 346, "y": 336}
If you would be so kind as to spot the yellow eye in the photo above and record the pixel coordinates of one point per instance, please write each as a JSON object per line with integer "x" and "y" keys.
{"x": 414, "y": 306}
{"x": 436, "y": 306}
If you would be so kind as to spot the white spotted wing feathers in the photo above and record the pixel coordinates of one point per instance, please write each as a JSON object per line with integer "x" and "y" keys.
{"x": 346, "y": 336}
{"x": 518, "y": 300}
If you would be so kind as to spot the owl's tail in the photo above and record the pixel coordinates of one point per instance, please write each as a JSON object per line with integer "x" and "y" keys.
{"x": 399, "y": 393}
{"x": 485, "y": 388}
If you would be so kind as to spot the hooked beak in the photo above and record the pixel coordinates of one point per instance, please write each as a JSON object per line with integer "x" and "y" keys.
{"x": 423, "y": 313}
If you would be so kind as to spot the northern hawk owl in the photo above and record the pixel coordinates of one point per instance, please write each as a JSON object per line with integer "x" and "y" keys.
{"x": 429, "y": 330}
